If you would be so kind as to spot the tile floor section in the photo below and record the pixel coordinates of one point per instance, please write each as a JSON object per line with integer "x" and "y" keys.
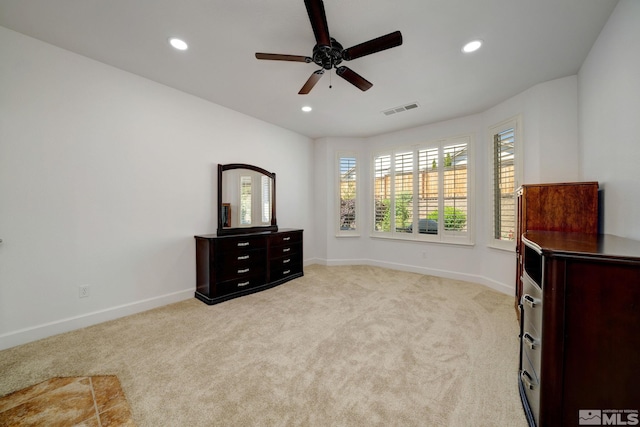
{"x": 76, "y": 401}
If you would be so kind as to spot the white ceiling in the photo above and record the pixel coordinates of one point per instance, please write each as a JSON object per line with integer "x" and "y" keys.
{"x": 525, "y": 42}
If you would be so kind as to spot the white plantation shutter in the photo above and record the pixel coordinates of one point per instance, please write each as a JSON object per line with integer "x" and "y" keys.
{"x": 382, "y": 192}
{"x": 455, "y": 187}
{"x": 347, "y": 181}
{"x": 422, "y": 193}
{"x": 428, "y": 189}
{"x": 505, "y": 157}
{"x": 403, "y": 185}
{"x": 265, "y": 186}
{"x": 245, "y": 200}
{"x": 504, "y": 220}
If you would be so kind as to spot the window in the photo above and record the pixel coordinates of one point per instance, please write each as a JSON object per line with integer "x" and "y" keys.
{"x": 423, "y": 192}
{"x": 347, "y": 193}
{"x": 505, "y": 169}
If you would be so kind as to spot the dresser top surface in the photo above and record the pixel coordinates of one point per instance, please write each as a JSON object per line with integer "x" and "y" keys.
{"x": 235, "y": 236}
{"x": 583, "y": 244}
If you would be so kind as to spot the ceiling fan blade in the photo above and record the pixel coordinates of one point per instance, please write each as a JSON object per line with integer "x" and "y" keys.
{"x": 372, "y": 46}
{"x": 318, "y": 18}
{"x": 354, "y": 78}
{"x": 282, "y": 57}
{"x": 311, "y": 82}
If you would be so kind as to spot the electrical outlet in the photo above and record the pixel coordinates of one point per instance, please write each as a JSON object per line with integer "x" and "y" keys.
{"x": 83, "y": 291}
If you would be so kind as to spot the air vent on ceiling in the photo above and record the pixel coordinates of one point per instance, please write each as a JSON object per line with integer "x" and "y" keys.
{"x": 400, "y": 109}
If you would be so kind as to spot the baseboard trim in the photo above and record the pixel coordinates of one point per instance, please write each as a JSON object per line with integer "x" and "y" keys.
{"x": 45, "y": 330}
{"x": 448, "y": 274}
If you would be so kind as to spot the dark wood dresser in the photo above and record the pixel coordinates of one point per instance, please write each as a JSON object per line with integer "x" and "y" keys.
{"x": 235, "y": 265}
{"x": 571, "y": 206}
{"x": 580, "y": 329}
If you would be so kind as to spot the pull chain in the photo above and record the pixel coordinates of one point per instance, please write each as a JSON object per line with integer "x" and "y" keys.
{"x": 330, "y": 86}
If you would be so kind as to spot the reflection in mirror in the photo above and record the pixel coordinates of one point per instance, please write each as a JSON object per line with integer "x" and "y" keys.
{"x": 246, "y": 199}
{"x": 247, "y": 194}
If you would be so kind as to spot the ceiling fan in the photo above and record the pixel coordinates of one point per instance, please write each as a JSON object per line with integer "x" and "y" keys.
{"x": 328, "y": 53}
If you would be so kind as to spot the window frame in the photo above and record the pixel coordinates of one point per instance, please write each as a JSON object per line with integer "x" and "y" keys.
{"x": 444, "y": 236}
{"x": 339, "y": 232}
{"x": 514, "y": 123}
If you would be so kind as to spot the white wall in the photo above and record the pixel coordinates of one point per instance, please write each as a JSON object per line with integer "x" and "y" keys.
{"x": 609, "y": 107}
{"x": 105, "y": 177}
{"x": 550, "y": 138}
{"x": 343, "y": 250}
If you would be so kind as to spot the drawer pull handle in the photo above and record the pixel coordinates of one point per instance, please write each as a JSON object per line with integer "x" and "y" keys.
{"x": 286, "y": 238}
{"x": 243, "y": 283}
{"x": 286, "y": 249}
{"x": 286, "y": 260}
{"x": 240, "y": 244}
{"x": 243, "y": 257}
{"x": 529, "y": 300}
{"x": 527, "y": 380}
{"x": 246, "y": 270}
{"x": 286, "y": 272}
{"x": 529, "y": 340}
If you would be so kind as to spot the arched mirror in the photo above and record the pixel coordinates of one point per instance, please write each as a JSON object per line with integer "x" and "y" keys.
{"x": 246, "y": 199}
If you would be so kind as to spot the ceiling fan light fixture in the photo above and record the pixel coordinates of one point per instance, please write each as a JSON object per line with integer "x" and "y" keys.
{"x": 306, "y": 109}
{"x": 178, "y": 43}
{"x": 472, "y": 46}
{"x": 329, "y": 54}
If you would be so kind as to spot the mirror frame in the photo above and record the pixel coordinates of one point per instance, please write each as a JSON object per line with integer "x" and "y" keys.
{"x": 222, "y": 231}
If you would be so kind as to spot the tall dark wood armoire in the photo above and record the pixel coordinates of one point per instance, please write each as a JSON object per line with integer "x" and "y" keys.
{"x": 565, "y": 207}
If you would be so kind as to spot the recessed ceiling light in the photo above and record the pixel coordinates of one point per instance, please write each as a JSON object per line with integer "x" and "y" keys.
{"x": 306, "y": 108}
{"x": 472, "y": 46}
{"x": 178, "y": 44}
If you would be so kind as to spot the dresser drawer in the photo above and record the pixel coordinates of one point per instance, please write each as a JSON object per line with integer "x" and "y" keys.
{"x": 240, "y": 244}
{"x": 286, "y": 239}
{"x": 240, "y": 284}
{"x": 285, "y": 251}
{"x": 285, "y": 270}
{"x": 240, "y": 264}
{"x": 234, "y": 259}
{"x": 285, "y": 262}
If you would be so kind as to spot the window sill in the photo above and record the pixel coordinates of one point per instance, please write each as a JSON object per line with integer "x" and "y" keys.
{"x": 413, "y": 240}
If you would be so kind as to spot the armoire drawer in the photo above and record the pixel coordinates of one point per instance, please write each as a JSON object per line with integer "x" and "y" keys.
{"x": 530, "y": 383}
{"x": 532, "y": 304}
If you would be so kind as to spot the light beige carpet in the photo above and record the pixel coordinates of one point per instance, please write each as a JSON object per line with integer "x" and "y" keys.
{"x": 341, "y": 346}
